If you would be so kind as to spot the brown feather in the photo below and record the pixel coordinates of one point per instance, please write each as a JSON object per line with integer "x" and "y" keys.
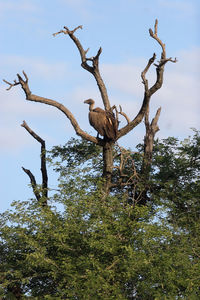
{"x": 104, "y": 122}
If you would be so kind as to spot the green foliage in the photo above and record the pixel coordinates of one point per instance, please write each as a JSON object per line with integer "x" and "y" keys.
{"x": 176, "y": 174}
{"x": 77, "y": 153}
{"x": 107, "y": 248}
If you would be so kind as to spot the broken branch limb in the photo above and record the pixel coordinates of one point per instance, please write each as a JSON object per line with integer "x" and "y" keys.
{"x": 37, "y": 137}
{"x": 155, "y": 120}
{"x": 33, "y": 183}
{"x": 43, "y": 159}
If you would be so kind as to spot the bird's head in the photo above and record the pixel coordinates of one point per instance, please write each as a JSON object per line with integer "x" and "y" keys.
{"x": 89, "y": 101}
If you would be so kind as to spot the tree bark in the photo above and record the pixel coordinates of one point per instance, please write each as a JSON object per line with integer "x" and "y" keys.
{"x": 151, "y": 130}
{"x": 107, "y": 166}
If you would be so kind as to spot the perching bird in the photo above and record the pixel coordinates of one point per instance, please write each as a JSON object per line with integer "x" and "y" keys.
{"x": 104, "y": 122}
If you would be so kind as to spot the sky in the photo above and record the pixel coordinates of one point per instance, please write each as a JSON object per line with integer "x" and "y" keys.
{"x": 52, "y": 64}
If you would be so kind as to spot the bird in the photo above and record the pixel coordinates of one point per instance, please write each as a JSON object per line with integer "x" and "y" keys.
{"x": 103, "y": 121}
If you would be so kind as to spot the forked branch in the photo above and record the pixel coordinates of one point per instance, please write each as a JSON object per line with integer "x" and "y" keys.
{"x": 151, "y": 129}
{"x": 148, "y": 92}
{"x": 43, "y": 159}
{"x": 161, "y": 63}
{"x": 143, "y": 74}
{"x": 44, "y": 192}
{"x": 61, "y": 107}
{"x": 94, "y": 69}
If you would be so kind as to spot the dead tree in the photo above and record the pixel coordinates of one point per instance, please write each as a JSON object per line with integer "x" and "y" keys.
{"x": 40, "y": 194}
{"x": 91, "y": 64}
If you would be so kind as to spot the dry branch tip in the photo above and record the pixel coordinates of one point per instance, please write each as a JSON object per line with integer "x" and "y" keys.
{"x": 124, "y": 114}
{"x": 23, "y": 124}
{"x": 67, "y": 31}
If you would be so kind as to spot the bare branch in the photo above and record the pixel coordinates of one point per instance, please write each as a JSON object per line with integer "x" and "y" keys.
{"x": 94, "y": 69}
{"x": 151, "y": 130}
{"x": 33, "y": 183}
{"x": 154, "y": 36}
{"x": 164, "y": 61}
{"x": 116, "y": 113}
{"x": 137, "y": 119}
{"x": 161, "y": 63}
{"x": 124, "y": 115}
{"x": 43, "y": 159}
{"x": 11, "y": 84}
{"x": 143, "y": 74}
{"x": 154, "y": 122}
{"x": 149, "y": 91}
{"x": 67, "y": 31}
{"x": 61, "y": 107}
{"x": 37, "y": 137}
{"x": 98, "y": 54}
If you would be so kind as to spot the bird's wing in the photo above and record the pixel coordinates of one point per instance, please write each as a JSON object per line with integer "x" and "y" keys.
{"x": 97, "y": 120}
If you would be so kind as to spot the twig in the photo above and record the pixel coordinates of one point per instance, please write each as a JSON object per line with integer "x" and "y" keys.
{"x": 11, "y": 84}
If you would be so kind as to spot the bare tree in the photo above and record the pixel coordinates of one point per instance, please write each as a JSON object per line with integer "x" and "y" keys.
{"x": 91, "y": 64}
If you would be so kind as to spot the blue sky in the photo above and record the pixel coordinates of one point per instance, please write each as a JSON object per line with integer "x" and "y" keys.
{"x": 120, "y": 27}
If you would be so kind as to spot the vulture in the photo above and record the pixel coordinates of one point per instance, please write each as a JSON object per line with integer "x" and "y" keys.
{"x": 104, "y": 122}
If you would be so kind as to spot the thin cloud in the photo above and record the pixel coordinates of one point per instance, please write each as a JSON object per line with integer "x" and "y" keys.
{"x": 38, "y": 67}
{"x": 124, "y": 77}
{"x": 82, "y": 7}
{"x": 20, "y": 6}
{"x": 14, "y": 105}
{"x": 186, "y": 8}
{"x": 76, "y": 3}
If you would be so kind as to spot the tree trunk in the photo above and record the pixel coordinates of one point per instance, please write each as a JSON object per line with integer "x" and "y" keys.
{"x": 148, "y": 149}
{"x": 107, "y": 166}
